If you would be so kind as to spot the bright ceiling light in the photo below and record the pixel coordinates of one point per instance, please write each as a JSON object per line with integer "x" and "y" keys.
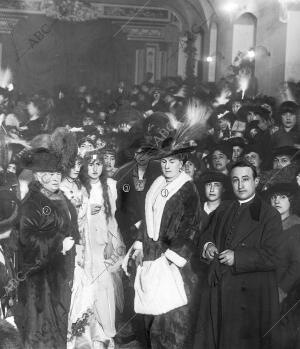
{"x": 231, "y": 7}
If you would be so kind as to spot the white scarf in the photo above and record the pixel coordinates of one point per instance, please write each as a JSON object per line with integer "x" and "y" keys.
{"x": 158, "y": 195}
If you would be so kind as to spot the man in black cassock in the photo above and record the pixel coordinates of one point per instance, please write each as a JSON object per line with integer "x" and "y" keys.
{"x": 241, "y": 243}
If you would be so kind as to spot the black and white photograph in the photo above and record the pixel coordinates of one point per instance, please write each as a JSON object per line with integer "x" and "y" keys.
{"x": 149, "y": 174}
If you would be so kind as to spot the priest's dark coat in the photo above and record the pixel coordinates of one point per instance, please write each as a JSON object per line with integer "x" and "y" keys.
{"x": 240, "y": 305}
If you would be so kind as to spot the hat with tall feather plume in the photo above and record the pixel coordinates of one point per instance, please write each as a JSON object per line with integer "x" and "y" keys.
{"x": 193, "y": 127}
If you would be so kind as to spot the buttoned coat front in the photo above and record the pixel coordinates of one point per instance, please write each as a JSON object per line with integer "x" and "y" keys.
{"x": 242, "y": 300}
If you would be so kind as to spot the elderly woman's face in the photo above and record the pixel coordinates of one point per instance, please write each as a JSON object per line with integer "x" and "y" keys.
{"x": 95, "y": 168}
{"x": 49, "y": 180}
{"x": 171, "y": 167}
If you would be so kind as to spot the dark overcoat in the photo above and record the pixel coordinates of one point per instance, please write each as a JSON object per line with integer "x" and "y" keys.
{"x": 243, "y": 304}
{"x": 130, "y": 202}
{"x": 179, "y": 228}
{"x": 46, "y": 274}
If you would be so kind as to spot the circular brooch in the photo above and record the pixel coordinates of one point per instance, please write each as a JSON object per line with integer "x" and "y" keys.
{"x": 46, "y": 210}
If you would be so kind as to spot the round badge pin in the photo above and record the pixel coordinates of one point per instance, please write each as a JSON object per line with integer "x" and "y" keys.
{"x": 46, "y": 210}
{"x": 126, "y": 188}
{"x": 164, "y": 193}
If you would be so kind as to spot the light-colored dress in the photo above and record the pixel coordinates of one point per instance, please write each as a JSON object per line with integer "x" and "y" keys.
{"x": 99, "y": 291}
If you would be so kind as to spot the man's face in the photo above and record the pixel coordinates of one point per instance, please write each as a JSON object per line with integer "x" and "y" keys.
{"x": 281, "y": 161}
{"x": 288, "y": 120}
{"x": 219, "y": 161}
{"x": 243, "y": 182}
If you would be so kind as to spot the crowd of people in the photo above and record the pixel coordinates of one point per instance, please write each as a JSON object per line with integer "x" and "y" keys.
{"x": 152, "y": 214}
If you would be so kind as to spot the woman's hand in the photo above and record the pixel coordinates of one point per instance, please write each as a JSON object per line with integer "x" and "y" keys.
{"x": 138, "y": 257}
{"x": 95, "y": 208}
{"x": 68, "y": 243}
{"x": 108, "y": 250}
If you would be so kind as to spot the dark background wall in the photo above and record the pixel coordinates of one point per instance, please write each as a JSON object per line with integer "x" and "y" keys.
{"x": 52, "y": 53}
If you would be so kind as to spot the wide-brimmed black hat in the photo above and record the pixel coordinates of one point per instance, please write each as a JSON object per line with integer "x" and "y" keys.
{"x": 285, "y": 150}
{"x": 237, "y": 142}
{"x": 254, "y": 148}
{"x": 41, "y": 159}
{"x": 224, "y": 147}
{"x": 86, "y": 139}
{"x": 214, "y": 176}
{"x": 168, "y": 148}
{"x": 283, "y": 189}
{"x": 109, "y": 149}
{"x": 288, "y": 107}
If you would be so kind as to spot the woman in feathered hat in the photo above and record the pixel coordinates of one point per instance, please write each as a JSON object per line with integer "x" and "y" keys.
{"x": 282, "y": 198}
{"x": 48, "y": 231}
{"x": 172, "y": 220}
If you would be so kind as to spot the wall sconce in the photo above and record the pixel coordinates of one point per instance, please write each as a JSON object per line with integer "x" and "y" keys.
{"x": 214, "y": 56}
{"x": 258, "y": 51}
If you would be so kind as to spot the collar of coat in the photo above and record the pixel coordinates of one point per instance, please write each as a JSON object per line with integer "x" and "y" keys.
{"x": 255, "y": 208}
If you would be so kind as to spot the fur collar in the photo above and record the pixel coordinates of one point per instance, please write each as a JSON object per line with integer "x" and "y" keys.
{"x": 158, "y": 195}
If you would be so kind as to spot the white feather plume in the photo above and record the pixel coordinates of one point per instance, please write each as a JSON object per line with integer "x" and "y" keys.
{"x": 194, "y": 124}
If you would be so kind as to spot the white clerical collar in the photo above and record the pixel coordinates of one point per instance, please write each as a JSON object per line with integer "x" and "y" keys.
{"x": 247, "y": 200}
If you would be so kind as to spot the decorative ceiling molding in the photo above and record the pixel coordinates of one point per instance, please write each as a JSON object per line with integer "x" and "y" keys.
{"x": 144, "y": 33}
{"x": 112, "y": 11}
{"x": 8, "y": 22}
